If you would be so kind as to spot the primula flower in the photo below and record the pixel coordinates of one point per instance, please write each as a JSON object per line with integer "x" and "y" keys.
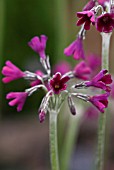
{"x": 11, "y": 72}
{"x": 86, "y": 18}
{"x": 89, "y": 5}
{"x": 18, "y": 98}
{"x": 36, "y": 82}
{"x": 100, "y": 101}
{"x": 75, "y": 49}
{"x": 82, "y": 71}
{"x": 62, "y": 67}
{"x": 57, "y": 83}
{"x": 39, "y": 45}
{"x": 100, "y": 81}
{"x": 105, "y": 23}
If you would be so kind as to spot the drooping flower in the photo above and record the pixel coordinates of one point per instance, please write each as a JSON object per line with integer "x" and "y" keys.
{"x": 82, "y": 71}
{"x": 89, "y": 5}
{"x": 62, "y": 67}
{"x": 39, "y": 45}
{"x": 100, "y": 81}
{"x": 75, "y": 49}
{"x": 36, "y": 82}
{"x": 86, "y": 18}
{"x": 105, "y": 23}
{"x": 100, "y": 101}
{"x": 57, "y": 83}
{"x": 11, "y": 72}
{"x": 18, "y": 98}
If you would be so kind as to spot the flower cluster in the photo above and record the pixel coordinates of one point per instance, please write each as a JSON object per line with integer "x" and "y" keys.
{"x": 97, "y": 13}
{"x": 57, "y": 86}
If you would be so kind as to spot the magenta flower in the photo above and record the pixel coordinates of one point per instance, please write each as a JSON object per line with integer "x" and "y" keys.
{"x": 89, "y": 5}
{"x": 100, "y": 81}
{"x": 11, "y": 72}
{"x": 39, "y": 45}
{"x": 37, "y": 82}
{"x": 75, "y": 49}
{"x": 62, "y": 67}
{"x": 82, "y": 71}
{"x": 57, "y": 83}
{"x": 18, "y": 98}
{"x": 100, "y": 101}
{"x": 105, "y": 23}
{"x": 86, "y": 18}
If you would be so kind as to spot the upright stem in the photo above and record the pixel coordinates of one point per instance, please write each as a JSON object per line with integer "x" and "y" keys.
{"x": 53, "y": 140}
{"x": 102, "y": 118}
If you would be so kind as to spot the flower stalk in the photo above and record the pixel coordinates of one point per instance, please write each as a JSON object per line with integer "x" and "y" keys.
{"x": 53, "y": 140}
{"x": 102, "y": 118}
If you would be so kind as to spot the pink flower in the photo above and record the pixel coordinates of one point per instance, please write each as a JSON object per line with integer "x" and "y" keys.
{"x": 100, "y": 101}
{"x": 89, "y": 5}
{"x": 105, "y": 23}
{"x": 75, "y": 49}
{"x": 57, "y": 83}
{"x": 39, "y": 45}
{"x": 100, "y": 81}
{"x": 86, "y": 18}
{"x": 82, "y": 71}
{"x": 62, "y": 67}
{"x": 37, "y": 82}
{"x": 18, "y": 98}
{"x": 11, "y": 72}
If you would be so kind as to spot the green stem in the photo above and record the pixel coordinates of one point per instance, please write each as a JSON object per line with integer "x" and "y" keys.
{"x": 53, "y": 140}
{"x": 71, "y": 136}
{"x": 102, "y": 118}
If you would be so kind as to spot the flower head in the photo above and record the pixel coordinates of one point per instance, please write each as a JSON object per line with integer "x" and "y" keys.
{"x": 100, "y": 101}
{"x": 75, "y": 49}
{"x": 57, "y": 83}
{"x": 100, "y": 81}
{"x": 82, "y": 71}
{"x": 39, "y": 45}
{"x": 89, "y": 5}
{"x": 62, "y": 67}
{"x": 105, "y": 23}
{"x": 18, "y": 98}
{"x": 11, "y": 72}
{"x": 86, "y": 18}
{"x": 102, "y": 2}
